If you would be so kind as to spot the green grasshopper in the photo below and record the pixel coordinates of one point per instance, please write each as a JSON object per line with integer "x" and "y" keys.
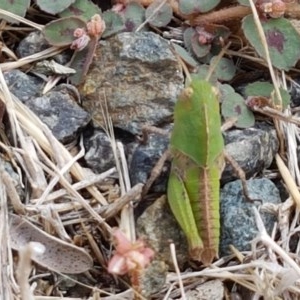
{"x": 197, "y": 149}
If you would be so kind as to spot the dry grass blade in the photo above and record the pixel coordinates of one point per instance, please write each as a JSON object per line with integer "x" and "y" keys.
{"x": 173, "y": 253}
{"x": 24, "y": 268}
{"x": 33, "y": 127}
{"x": 288, "y": 179}
{"x": 266, "y": 49}
{"x": 20, "y": 19}
{"x": 127, "y": 217}
{"x": 6, "y": 291}
{"x": 151, "y": 16}
{"x": 87, "y": 181}
{"x": 52, "y": 51}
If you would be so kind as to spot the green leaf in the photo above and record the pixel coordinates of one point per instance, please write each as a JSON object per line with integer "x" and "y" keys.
{"x": 202, "y": 73}
{"x": 54, "y": 6}
{"x": 225, "y": 90}
{"x": 60, "y": 32}
{"x": 84, "y": 9}
{"x": 225, "y": 69}
{"x": 18, "y": 7}
{"x": 244, "y": 2}
{"x": 162, "y": 17}
{"x": 185, "y": 55}
{"x": 127, "y": 20}
{"x": 134, "y": 15}
{"x": 114, "y": 23}
{"x": 196, "y": 6}
{"x": 259, "y": 89}
{"x": 233, "y": 105}
{"x": 282, "y": 38}
{"x": 187, "y": 38}
{"x": 198, "y": 49}
{"x": 265, "y": 89}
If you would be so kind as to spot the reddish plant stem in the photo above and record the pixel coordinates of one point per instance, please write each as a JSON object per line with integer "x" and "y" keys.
{"x": 293, "y": 10}
{"x": 220, "y": 16}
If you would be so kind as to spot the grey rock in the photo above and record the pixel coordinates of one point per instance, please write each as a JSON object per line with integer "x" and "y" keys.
{"x": 237, "y": 219}
{"x": 154, "y": 278}
{"x": 99, "y": 155}
{"x": 139, "y": 78}
{"x": 158, "y": 227}
{"x": 294, "y": 91}
{"x": 34, "y": 42}
{"x": 59, "y": 110}
{"x": 252, "y": 148}
{"x": 144, "y": 158}
{"x": 23, "y": 85}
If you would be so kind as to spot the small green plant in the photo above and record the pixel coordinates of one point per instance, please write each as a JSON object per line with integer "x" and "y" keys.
{"x": 234, "y": 106}
{"x": 80, "y": 26}
{"x": 123, "y": 18}
{"x": 80, "y": 36}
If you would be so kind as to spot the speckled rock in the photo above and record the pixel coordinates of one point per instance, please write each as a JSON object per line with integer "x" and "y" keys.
{"x": 154, "y": 278}
{"x": 237, "y": 218}
{"x": 59, "y": 110}
{"x": 145, "y": 156}
{"x": 139, "y": 78}
{"x": 34, "y": 42}
{"x": 99, "y": 155}
{"x": 158, "y": 227}
{"x": 23, "y": 85}
{"x": 252, "y": 148}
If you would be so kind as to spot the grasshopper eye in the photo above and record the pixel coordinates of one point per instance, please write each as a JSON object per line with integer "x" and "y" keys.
{"x": 186, "y": 93}
{"x": 216, "y": 91}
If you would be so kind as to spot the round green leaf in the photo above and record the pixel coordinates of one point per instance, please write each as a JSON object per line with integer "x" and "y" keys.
{"x": 18, "y": 7}
{"x": 84, "y": 9}
{"x": 187, "y": 37}
{"x": 198, "y": 49}
{"x": 225, "y": 89}
{"x": 265, "y": 89}
{"x": 188, "y": 7}
{"x": 113, "y": 23}
{"x": 60, "y": 32}
{"x": 282, "y": 38}
{"x": 185, "y": 55}
{"x": 162, "y": 16}
{"x": 54, "y": 6}
{"x": 233, "y": 105}
{"x": 244, "y": 2}
{"x": 134, "y": 15}
{"x": 202, "y": 74}
{"x": 259, "y": 88}
{"x": 225, "y": 69}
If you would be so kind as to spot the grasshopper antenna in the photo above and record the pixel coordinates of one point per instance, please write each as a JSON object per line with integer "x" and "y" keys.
{"x": 215, "y": 63}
